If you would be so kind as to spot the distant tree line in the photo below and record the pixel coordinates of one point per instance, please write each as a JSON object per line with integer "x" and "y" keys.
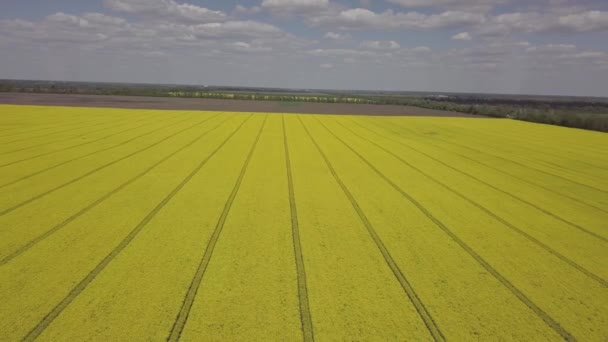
{"x": 272, "y": 97}
{"x": 569, "y": 112}
{"x": 590, "y": 116}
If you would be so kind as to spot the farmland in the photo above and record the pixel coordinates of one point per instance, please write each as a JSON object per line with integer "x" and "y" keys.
{"x": 139, "y": 224}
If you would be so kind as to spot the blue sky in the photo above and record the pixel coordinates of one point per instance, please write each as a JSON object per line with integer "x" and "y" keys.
{"x": 502, "y": 46}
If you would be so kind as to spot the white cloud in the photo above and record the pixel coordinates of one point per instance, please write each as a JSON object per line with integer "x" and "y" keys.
{"x": 289, "y": 7}
{"x": 461, "y": 4}
{"x": 168, "y": 9}
{"x": 421, "y": 49}
{"x": 552, "y": 48}
{"x": 584, "y": 22}
{"x": 242, "y": 10}
{"x": 536, "y": 22}
{"x": 95, "y": 31}
{"x": 326, "y": 66}
{"x": 552, "y": 56}
{"x": 102, "y": 19}
{"x": 336, "y": 36}
{"x": 64, "y": 28}
{"x": 380, "y": 45}
{"x": 247, "y": 47}
{"x": 223, "y": 30}
{"x": 343, "y": 53}
{"x": 361, "y": 18}
{"x": 462, "y": 36}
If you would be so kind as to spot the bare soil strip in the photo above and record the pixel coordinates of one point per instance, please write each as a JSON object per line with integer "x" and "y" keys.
{"x": 142, "y": 102}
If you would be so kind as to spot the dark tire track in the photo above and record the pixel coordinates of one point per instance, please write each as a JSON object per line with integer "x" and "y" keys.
{"x": 534, "y": 148}
{"x": 90, "y": 154}
{"x": 569, "y": 172}
{"x": 479, "y": 206}
{"x": 405, "y": 285}
{"x": 86, "y": 124}
{"x": 37, "y": 128}
{"x": 80, "y": 136}
{"x": 45, "y": 127}
{"x": 24, "y": 248}
{"x": 73, "y": 120}
{"x": 97, "y": 169}
{"x": 520, "y": 295}
{"x": 576, "y": 200}
{"x": 61, "y": 149}
{"x": 81, "y": 286}
{"x": 546, "y": 212}
{"x": 524, "y": 165}
{"x": 182, "y": 317}
{"x": 305, "y": 316}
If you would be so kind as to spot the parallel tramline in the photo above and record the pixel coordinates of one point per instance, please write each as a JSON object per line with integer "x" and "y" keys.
{"x": 181, "y": 225}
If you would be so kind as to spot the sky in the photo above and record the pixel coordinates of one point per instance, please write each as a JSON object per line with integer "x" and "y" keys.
{"x": 553, "y": 47}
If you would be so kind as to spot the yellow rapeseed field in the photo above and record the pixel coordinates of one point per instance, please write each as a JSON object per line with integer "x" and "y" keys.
{"x": 127, "y": 225}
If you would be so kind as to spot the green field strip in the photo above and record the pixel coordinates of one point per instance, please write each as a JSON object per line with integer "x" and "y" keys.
{"x": 465, "y": 299}
{"x": 496, "y": 215}
{"x": 164, "y": 258}
{"x": 566, "y": 299}
{"x": 353, "y": 293}
{"x": 24, "y": 171}
{"x": 594, "y": 185}
{"x": 304, "y": 304}
{"x": 46, "y": 144}
{"x": 24, "y": 246}
{"x": 493, "y": 180}
{"x": 51, "y": 148}
{"x": 79, "y": 125}
{"x": 20, "y": 199}
{"x": 576, "y": 161}
{"x": 584, "y": 249}
{"x": 249, "y": 286}
{"x": 182, "y": 317}
{"x": 99, "y": 238}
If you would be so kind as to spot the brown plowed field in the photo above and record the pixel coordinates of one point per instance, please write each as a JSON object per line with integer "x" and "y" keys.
{"x": 142, "y": 102}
